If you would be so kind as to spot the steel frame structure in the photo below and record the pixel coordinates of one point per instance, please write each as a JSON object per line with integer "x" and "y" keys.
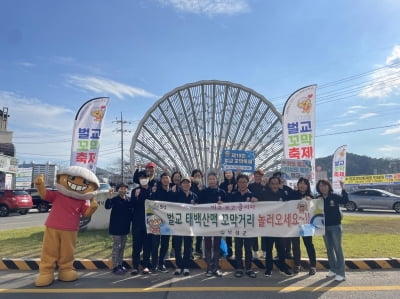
{"x": 190, "y": 126}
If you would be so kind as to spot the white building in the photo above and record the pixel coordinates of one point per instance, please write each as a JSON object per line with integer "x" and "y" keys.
{"x": 8, "y": 162}
{"x": 48, "y": 169}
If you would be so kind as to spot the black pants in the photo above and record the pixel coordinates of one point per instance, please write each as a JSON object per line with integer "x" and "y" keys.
{"x": 159, "y": 249}
{"x": 288, "y": 243}
{"x": 269, "y": 259}
{"x": 182, "y": 262}
{"x": 248, "y": 254}
{"x": 141, "y": 241}
{"x": 254, "y": 242}
{"x": 212, "y": 252}
{"x": 228, "y": 241}
{"x": 295, "y": 246}
{"x": 308, "y": 243}
{"x": 199, "y": 244}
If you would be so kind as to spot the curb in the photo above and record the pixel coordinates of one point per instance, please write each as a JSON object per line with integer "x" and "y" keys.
{"x": 225, "y": 264}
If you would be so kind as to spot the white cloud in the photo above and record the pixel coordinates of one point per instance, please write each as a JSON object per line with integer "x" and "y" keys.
{"x": 63, "y": 60}
{"x": 353, "y": 110}
{"x": 394, "y": 57}
{"x": 41, "y": 131}
{"x": 385, "y": 81}
{"x": 345, "y": 124}
{"x": 33, "y": 113}
{"x": 367, "y": 115}
{"x": 349, "y": 112}
{"x": 357, "y": 107}
{"x": 25, "y": 64}
{"x": 389, "y": 149}
{"x": 209, "y": 7}
{"x": 394, "y": 130}
{"x": 102, "y": 85}
{"x": 389, "y": 104}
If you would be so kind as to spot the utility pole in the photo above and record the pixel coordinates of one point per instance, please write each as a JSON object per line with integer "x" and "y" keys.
{"x": 122, "y": 131}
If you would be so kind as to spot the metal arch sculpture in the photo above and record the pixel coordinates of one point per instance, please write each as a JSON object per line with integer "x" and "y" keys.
{"x": 189, "y": 127}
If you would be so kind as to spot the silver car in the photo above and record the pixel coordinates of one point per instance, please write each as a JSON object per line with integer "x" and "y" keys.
{"x": 375, "y": 199}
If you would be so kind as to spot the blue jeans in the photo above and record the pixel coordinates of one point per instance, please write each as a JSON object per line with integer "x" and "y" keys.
{"x": 333, "y": 244}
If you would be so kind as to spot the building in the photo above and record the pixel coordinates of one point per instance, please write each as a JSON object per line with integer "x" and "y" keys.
{"x": 8, "y": 162}
{"x": 48, "y": 169}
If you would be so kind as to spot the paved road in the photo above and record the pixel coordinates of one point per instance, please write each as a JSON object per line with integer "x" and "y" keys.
{"x": 15, "y": 220}
{"x": 103, "y": 284}
{"x": 377, "y": 213}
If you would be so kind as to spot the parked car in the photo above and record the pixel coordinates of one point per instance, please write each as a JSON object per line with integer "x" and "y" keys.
{"x": 104, "y": 187}
{"x": 14, "y": 201}
{"x": 375, "y": 199}
{"x": 41, "y": 205}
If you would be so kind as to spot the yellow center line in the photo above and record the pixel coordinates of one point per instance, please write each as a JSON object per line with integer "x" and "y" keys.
{"x": 207, "y": 289}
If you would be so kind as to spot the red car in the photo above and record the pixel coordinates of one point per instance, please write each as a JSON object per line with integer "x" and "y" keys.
{"x": 14, "y": 201}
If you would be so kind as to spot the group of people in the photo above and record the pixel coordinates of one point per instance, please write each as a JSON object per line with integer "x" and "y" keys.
{"x": 128, "y": 211}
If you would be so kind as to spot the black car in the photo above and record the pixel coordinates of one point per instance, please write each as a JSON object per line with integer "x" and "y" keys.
{"x": 41, "y": 205}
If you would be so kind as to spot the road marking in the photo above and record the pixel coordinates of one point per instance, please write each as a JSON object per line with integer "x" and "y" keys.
{"x": 205, "y": 289}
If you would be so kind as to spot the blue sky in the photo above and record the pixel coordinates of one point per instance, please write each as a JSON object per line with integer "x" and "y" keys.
{"x": 56, "y": 55}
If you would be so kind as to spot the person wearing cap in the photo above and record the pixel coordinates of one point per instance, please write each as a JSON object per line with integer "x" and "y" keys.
{"x": 119, "y": 226}
{"x": 140, "y": 239}
{"x": 150, "y": 169}
{"x": 160, "y": 244}
{"x": 183, "y": 195}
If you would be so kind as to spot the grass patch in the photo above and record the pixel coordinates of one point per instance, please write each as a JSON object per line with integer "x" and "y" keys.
{"x": 363, "y": 237}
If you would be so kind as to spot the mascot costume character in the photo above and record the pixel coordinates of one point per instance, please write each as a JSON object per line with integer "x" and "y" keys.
{"x": 75, "y": 186}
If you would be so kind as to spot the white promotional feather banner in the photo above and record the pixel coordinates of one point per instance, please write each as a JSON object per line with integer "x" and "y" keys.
{"x": 339, "y": 168}
{"x": 87, "y": 133}
{"x": 299, "y": 126}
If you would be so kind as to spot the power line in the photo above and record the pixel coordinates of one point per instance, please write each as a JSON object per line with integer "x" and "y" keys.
{"x": 333, "y": 92}
{"x": 122, "y": 131}
{"x": 359, "y": 130}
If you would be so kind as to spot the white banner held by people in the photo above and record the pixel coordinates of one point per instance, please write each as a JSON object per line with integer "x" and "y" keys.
{"x": 237, "y": 219}
{"x": 298, "y": 124}
{"x": 339, "y": 168}
{"x": 87, "y": 132}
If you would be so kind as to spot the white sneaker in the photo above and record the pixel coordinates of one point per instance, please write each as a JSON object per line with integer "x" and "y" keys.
{"x": 186, "y": 272}
{"x": 331, "y": 274}
{"x": 340, "y": 278}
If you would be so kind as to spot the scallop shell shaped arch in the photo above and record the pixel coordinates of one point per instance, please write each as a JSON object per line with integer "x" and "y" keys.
{"x": 189, "y": 127}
